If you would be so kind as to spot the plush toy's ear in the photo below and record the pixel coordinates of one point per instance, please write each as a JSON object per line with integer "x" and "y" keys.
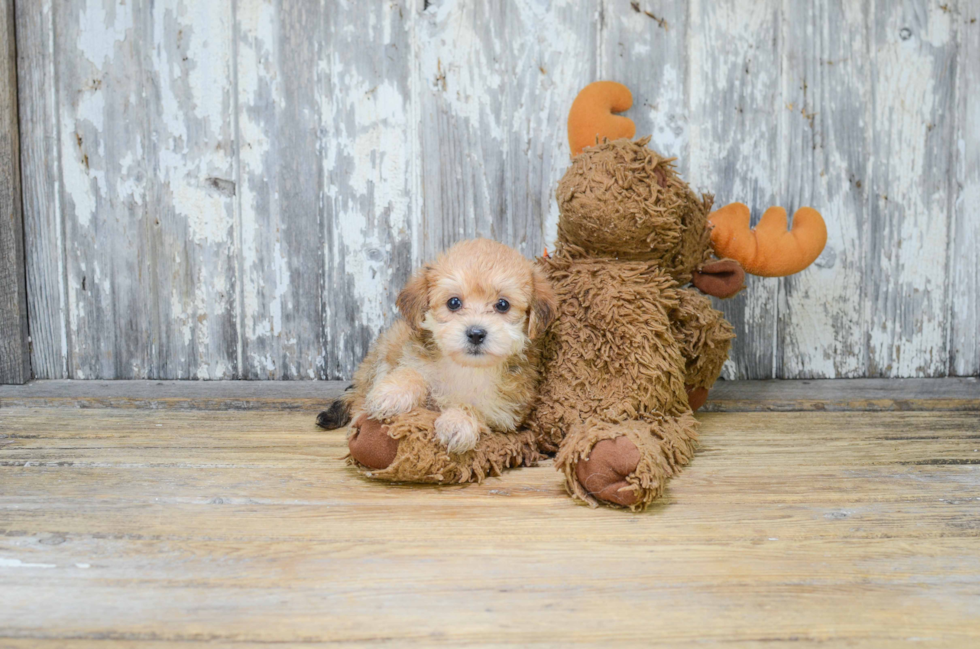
{"x": 413, "y": 301}
{"x": 543, "y": 306}
{"x": 591, "y": 117}
{"x": 770, "y": 250}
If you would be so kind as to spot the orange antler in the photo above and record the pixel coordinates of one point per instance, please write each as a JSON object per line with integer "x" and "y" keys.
{"x": 770, "y": 250}
{"x": 592, "y": 116}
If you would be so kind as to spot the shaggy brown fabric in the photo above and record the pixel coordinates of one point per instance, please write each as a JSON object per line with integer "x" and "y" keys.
{"x": 615, "y": 364}
{"x": 420, "y": 457}
{"x": 704, "y": 336}
{"x": 623, "y": 200}
{"x": 665, "y": 446}
{"x": 632, "y": 349}
{"x": 610, "y": 351}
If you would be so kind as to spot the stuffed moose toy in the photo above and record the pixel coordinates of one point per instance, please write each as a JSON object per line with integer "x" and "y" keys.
{"x": 635, "y": 344}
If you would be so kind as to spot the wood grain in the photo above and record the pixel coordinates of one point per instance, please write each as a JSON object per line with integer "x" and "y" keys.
{"x": 41, "y": 184}
{"x": 912, "y": 65}
{"x": 15, "y": 359}
{"x": 124, "y": 527}
{"x": 735, "y": 139}
{"x": 178, "y": 395}
{"x": 369, "y": 130}
{"x": 963, "y": 294}
{"x": 280, "y": 189}
{"x": 858, "y": 395}
{"x": 826, "y": 153}
{"x": 103, "y": 153}
{"x": 186, "y": 251}
{"x": 634, "y": 35}
{"x": 239, "y": 190}
{"x": 496, "y": 82}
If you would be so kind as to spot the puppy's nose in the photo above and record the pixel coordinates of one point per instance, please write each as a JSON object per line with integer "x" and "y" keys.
{"x": 476, "y": 335}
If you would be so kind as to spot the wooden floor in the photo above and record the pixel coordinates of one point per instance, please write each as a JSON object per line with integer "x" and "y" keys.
{"x": 162, "y": 524}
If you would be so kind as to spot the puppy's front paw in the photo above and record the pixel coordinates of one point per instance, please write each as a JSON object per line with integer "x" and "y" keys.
{"x": 387, "y": 400}
{"x": 457, "y": 430}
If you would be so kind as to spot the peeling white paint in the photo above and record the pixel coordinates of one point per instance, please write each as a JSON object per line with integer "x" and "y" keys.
{"x": 479, "y": 98}
{"x": 669, "y": 126}
{"x": 17, "y": 563}
{"x": 733, "y": 141}
{"x": 377, "y": 152}
{"x": 80, "y": 163}
{"x": 820, "y": 334}
{"x": 462, "y": 68}
{"x": 103, "y": 25}
{"x": 258, "y": 85}
{"x": 205, "y": 30}
{"x": 911, "y": 340}
{"x": 76, "y": 180}
{"x": 368, "y": 174}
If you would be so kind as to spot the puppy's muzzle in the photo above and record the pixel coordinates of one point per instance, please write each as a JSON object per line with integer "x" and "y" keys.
{"x": 476, "y": 335}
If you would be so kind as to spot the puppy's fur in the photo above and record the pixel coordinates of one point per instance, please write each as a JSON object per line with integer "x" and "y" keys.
{"x": 429, "y": 358}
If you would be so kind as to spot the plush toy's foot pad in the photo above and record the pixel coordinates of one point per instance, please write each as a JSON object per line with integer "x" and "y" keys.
{"x": 370, "y": 444}
{"x": 696, "y": 397}
{"x": 626, "y": 464}
{"x": 404, "y": 448}
{"x": 603, "y": 473}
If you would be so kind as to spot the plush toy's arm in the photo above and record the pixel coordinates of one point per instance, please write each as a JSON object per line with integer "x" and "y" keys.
{"x": 703, "y": 335}
{"x": 611, "y": 350}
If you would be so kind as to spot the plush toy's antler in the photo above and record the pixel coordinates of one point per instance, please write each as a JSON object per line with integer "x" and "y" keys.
{"x": 770, "y": 250}
{"x": 591, "y": 116}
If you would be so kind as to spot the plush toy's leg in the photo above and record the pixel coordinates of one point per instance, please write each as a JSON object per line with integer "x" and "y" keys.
{"x": 405, "y": 449}
{"x": 705, "y": 338}
{"x": 626, "y": 464}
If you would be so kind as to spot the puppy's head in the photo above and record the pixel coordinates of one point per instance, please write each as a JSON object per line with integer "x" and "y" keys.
{"x": 481, "y": 301}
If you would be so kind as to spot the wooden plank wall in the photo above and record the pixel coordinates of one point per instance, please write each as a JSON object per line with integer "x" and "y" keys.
{"x": 238, "y": 189}
{"x": 15, "y": 363}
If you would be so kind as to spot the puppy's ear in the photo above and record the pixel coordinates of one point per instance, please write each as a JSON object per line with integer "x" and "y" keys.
{"x": 413, "y": 301}
{"x": 544, "y": 305}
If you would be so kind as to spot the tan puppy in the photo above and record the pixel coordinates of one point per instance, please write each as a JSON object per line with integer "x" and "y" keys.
{"x": 463, "y": 348}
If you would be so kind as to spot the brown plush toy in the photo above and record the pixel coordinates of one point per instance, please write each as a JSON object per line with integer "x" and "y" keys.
{"x": 636, "y": 345}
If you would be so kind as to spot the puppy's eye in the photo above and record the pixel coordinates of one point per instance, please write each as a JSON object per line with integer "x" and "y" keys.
{"x": 454, "y": 304}
{"x": 502, "y": 306}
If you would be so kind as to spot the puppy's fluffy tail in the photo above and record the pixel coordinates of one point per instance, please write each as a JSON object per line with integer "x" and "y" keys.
{"x": 338, "y": 414}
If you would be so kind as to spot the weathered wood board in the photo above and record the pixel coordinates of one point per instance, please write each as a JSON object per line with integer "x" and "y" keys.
{"x": 238, "y": 190}
{"x": 15, "y": 361}
{"x": 950, "y": 394}
{"x": 964, "y": 262}
{"x": 132, "y": 527}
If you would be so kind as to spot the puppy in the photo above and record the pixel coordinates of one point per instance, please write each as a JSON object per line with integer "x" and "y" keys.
{"x": 464, "y": 346}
